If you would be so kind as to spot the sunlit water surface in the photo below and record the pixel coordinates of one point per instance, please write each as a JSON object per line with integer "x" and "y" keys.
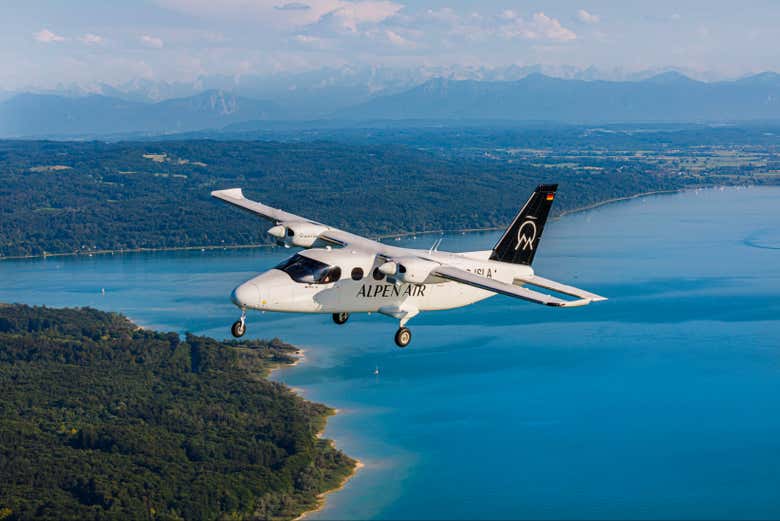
{"x": 662, "y": 402}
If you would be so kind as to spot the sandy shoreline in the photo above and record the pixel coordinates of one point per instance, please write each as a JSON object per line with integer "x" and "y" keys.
{"x": 300, "y": 357}
{"x": 619, "y": 199}
{"x": 321, "y": 497}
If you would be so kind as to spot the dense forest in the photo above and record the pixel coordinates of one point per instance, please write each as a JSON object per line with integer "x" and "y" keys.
{"x": 100, "y": 419}
{"x": 65, "y": 197}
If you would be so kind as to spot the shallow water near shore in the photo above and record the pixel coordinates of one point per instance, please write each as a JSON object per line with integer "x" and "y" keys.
{"x": 663, "y": 402}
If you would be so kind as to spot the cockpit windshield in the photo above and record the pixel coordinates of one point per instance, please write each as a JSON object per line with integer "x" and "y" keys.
{"x": 309, "y": 271}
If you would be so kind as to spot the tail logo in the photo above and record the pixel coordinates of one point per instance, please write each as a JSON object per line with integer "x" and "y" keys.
{"x": 526, "y": 235}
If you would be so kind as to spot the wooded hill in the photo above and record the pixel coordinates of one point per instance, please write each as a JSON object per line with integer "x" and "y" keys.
{"x": 65, "y": 197}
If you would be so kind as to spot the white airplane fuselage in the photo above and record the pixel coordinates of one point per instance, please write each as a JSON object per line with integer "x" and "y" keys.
{"x": 275, "y": 290}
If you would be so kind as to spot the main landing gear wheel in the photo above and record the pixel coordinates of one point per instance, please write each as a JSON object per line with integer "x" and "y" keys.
{"x": 340, "y": 318}
{"x": 239, "y": 328}
{"x": 403, "y": 336}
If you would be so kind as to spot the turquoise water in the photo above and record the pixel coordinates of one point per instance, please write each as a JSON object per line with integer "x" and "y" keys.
{"x": 663, "y": 402}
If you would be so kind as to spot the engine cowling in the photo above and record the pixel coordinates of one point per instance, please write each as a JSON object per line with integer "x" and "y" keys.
{"x": 301, "y": 234}
{"x": 409, "y": 269}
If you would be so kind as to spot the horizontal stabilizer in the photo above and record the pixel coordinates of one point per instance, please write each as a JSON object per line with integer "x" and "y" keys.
{"x": 541, "y": 282}
{"x": 477, "y": 281}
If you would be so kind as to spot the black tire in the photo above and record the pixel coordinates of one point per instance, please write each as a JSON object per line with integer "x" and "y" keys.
{"x": 340, "y": 318}
{"x": 238, "y": 329}
{"x": 402, "y": 337}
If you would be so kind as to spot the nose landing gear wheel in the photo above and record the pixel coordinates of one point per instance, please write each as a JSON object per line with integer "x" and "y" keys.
{"x": 402, "y": 337}
{"x": 340, "y": 318}
{"x": 238, "y": 329}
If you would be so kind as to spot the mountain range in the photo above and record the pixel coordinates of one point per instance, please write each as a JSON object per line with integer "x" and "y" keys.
{"x": 317, "y": 91}
{"x": 669, "y": 97}
{"x": 666, "y": 97}
{"x": 48, "y": 115}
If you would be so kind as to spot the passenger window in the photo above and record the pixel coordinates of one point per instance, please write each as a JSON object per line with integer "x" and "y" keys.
{"x": 378, "y": 275}
{"x": 357, "y": 273}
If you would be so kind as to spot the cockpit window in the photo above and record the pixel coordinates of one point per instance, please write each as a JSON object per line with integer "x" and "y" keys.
{"x": 309, "y": 271}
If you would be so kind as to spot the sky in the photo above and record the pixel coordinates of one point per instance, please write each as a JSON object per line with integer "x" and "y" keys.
{"x": 45, "y": 43}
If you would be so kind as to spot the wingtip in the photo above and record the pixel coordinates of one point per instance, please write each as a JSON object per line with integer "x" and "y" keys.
{"x": 235, "y": 193}
{"x": 577, "y": 303}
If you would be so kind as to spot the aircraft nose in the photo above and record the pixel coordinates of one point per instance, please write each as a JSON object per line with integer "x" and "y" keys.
{"x": 246, "y": 295}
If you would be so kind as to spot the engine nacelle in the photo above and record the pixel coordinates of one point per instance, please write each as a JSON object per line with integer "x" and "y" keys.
{"x": 302, "y": 234}
{"x": 409, "y": 269}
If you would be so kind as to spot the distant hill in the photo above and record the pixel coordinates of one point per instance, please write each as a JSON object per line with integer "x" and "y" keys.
{"x": 81, "y": 197}
{"x": 96, "y": 115}
{"x": 670, "y": 97}
{"x": 667, "y": 97}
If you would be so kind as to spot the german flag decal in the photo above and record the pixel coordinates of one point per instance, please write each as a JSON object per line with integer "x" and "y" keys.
{"x": 551, "y": 196}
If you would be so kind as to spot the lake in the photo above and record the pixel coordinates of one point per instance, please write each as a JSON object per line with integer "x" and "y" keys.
{"x": 663, "y": 402}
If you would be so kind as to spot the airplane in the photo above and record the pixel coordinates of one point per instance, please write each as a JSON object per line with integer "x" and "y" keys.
{"x": 341, "y": 273}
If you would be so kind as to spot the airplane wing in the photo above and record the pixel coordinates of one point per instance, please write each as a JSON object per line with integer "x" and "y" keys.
{"x": 465, "y": 277}
{"x": 236, "y": 197}
{"x": 331, "y": 235}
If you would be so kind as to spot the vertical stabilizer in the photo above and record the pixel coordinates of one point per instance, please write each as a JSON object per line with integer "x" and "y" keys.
{"x": 519, "y": 242}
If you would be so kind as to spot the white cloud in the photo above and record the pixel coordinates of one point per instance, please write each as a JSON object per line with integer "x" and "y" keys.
{"x": 46, "y": 36}
{"x": 398, "y": 40}
{"x": 587, "y": 18}
{"x": 551, "y": 29}
{"x": 293, "y": 6}
{"x": 347, "y": 14}
{"x": 443, "y": 15}
{"x": 307, "y": 40}
{"x": 151, "y": 41}
{"x": 92, "y": 39}
{"x": 476, "y": 27}
{"x": 540, "y": 27}
{"x": 318, "y": 43}
{"x": 370, "y": 11}
{"x": 315, "y": 42}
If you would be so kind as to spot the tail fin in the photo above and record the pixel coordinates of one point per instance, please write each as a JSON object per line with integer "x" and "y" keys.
{"x": 519, "y": 242}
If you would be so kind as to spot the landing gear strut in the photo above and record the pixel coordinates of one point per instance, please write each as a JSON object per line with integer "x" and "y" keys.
{"x": 403, "y": 336}
{"x": 340, "y": 318}
{"x": 239, "y": 326}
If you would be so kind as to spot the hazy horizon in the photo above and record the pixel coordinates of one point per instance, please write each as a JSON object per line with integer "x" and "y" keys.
{"x": 52, "y": 44}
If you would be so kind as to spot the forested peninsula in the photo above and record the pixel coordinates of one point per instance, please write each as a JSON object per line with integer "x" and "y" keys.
{"x": 100, "y": 419}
